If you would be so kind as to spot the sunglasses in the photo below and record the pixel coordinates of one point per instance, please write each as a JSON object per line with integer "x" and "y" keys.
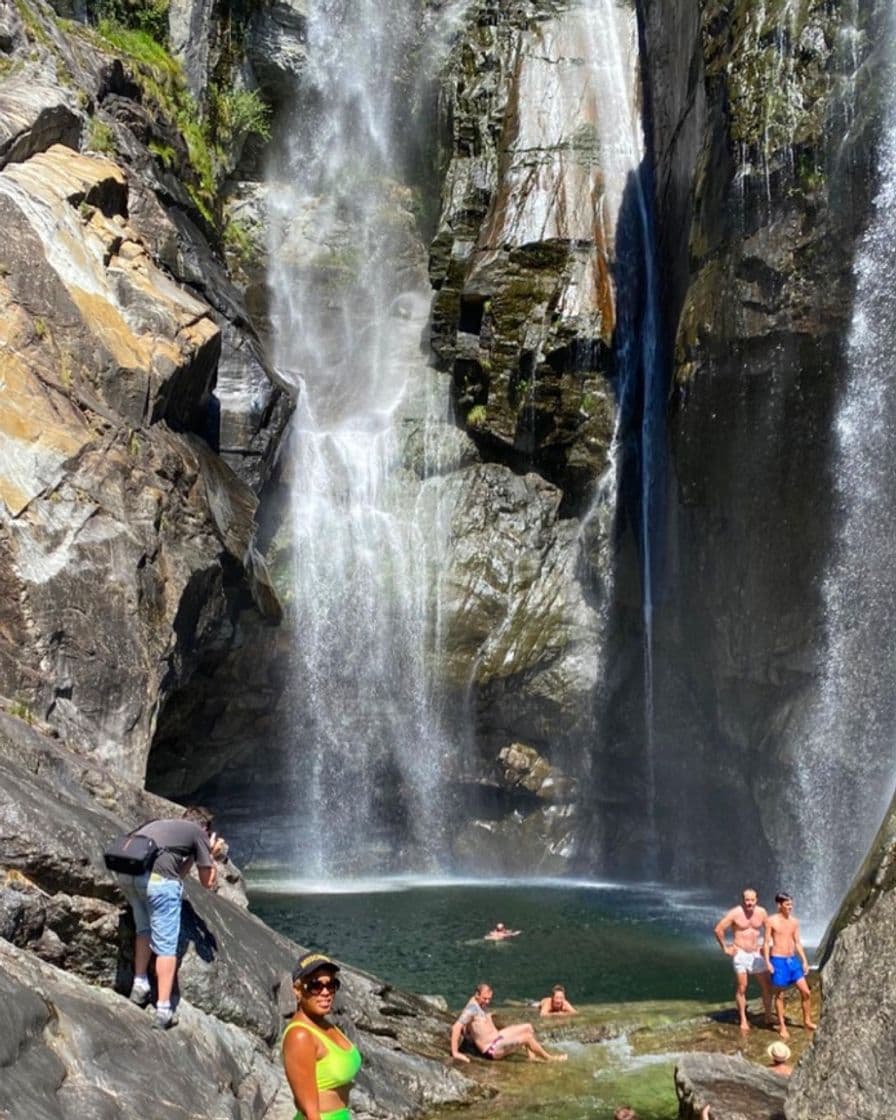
{"x": 315, "y": 987}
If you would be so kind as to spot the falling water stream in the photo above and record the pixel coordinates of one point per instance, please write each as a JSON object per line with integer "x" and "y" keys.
{"x": 367, "y": 739}
{"x": 845, "y": 770}
{"x": 639, "y": 373}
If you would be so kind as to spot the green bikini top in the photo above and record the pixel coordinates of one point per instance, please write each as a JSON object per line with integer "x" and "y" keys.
{"x": 337, "y": 1067}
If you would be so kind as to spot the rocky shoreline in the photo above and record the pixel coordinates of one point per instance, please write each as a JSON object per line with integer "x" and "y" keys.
{"x": 72, "y": 1044}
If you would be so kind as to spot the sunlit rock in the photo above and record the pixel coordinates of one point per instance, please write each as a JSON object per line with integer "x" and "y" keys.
{"x": 522, "y": 261}
{"x": 517, "y": 625}
{"x": 732, "y": 1087}
{"x": 96, "y": 343}
{"x": 35, "y": 114}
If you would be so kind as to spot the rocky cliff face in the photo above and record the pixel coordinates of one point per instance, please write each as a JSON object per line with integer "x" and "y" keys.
{"x": 109, "y": 359}
{"x": 759, "y": 201}
{"x": 522, "y": 261}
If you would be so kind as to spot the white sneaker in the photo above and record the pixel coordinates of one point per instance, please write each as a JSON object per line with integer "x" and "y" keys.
{"x": 139, "y": 994}
{"x": 164, "y": 1019}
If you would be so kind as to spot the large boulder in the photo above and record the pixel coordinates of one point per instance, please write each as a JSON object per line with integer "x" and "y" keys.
{"x": 734, "y": 1088}
{"x": 848, "y": 1070}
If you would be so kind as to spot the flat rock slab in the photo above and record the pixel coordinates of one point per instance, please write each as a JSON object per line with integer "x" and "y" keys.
{"x": 734, "y": 1088}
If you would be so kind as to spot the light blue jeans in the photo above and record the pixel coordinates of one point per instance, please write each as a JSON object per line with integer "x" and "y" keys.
{"x": 155, "y": 902}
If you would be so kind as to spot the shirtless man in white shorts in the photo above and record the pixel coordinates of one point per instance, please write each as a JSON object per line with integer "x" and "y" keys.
{"x": 745, "y": 951}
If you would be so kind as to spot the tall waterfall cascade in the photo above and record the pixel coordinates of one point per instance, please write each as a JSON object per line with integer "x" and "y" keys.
{"x": 845, "y": 768}
{"x": 367, "y": 741}
{"x": 638, "y": 453}
{"x": 373, "y": 741}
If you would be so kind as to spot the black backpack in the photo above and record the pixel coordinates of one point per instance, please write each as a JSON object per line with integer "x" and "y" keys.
{"x": 131, "y": 854}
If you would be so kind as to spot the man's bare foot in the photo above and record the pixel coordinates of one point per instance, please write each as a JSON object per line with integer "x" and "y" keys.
{"x": 744, "y": 1027}
{"x": 783, "y": 1031}
{"x": 559, "y": 1057}
{"x": 809, "y": 1025}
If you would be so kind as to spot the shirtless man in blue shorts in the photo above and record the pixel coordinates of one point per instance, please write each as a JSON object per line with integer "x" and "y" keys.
{"x": 786, "y": 958}
{"x": 477, "y": 1024}
{"x": 747, "y": 921}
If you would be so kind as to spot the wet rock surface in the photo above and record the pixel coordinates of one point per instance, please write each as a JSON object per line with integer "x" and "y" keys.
{"x": 524, "y": 310}
{"x": 734, "y": 1088}
{"x": 758, "y": 208}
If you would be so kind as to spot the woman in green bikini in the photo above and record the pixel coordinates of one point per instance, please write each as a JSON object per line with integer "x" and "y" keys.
{"x": 320, "y": 1062}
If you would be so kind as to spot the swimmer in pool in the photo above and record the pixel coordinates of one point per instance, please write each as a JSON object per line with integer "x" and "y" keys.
{"x": 501, "y": 933}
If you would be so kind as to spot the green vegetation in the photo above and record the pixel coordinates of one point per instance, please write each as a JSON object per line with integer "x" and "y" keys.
{"x": 235, "y": 114}
{"x": 100, "y": 137}
{"x": 34, "y": 28}
{"x": 161, "y": 80}
{"x": 164, "y": 153}
{"x": 477, "y": 417}
{"x": 241, "y": 243}
{"x": 21, "y": 710}
{"x": 149, "y": 16}
{"x": 40, "y": 327}
{"x": 209, "y": 137}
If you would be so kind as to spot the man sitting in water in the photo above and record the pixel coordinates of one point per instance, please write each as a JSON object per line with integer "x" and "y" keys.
{"x": 746, "y": 955}
{"x": 786, "y": 958}
{"x": 501, "y": 932}
{"x": 476, "y": 1024}
{"x": 556, "y": 1003}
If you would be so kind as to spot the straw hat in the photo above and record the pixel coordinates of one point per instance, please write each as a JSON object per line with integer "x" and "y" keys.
{"x": 778, "y": 1051}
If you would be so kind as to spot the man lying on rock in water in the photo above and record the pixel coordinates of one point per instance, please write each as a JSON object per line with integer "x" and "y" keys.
{"x": 475, "y": 1023}
{"x": 747, "y": 921}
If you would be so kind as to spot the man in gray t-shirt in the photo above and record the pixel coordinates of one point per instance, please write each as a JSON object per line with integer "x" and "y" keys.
{"x": 155, "y": 899}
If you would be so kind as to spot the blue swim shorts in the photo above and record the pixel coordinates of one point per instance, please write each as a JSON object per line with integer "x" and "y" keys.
{"x": 786, "y": 971}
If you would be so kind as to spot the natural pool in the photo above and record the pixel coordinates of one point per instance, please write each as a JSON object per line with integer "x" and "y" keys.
{"x": 639, "y": 961}
{"x": 606, "y": 943}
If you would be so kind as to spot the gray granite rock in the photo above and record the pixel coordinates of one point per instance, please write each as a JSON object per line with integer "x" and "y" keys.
{"x": 848, "y": 1070}
{"x": 734, "y": 1088}
{"x": 275, "y": 46}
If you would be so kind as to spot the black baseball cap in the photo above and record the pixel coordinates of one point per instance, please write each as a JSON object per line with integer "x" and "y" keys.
{"x": 311, "y": 962}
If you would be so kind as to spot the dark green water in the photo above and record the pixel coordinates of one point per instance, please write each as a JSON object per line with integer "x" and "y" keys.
{"x": 607, "y": 945}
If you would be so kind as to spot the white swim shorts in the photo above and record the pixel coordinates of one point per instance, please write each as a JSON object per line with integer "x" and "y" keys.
{"x": 751, "y": 963}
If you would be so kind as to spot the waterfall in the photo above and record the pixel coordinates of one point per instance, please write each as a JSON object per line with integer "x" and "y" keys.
{"x": 366, "y": 743}
{"x": 845, "y": 765}
{"x": 639, "y": 374}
